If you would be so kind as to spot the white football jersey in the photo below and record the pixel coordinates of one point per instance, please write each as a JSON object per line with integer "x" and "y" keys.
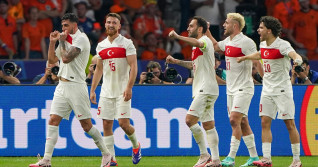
{"x": 276, "y": 65}
{"x": 116, "y": 68}
{"x": 238, "y": 75}
{"x": 204, "y": 81}
{"x": 75, "y": 70}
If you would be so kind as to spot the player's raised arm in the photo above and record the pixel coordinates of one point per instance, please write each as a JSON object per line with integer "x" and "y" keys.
{"x": 191, "y": 41}
{"x": 254, "y": 56}
{"x": 186, "y": 64}
{"x": 54, "y": 36}
{"x": 296, "y": 58}
{"x": 215, "y": 43}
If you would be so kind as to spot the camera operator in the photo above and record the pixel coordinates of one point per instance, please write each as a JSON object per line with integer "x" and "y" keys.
{"x": 50, "y": 75}
{"x": 8, "y": 77}
{"x": 303, "y": 75}
{"x": 153, "y": 75}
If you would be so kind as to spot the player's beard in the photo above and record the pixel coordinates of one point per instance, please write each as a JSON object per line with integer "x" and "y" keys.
{"x": 194, "y": 34}
{"x": 111, "y": 32}
{"x": 228, "y": 32}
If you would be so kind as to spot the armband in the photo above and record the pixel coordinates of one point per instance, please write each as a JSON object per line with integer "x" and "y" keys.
{"x": 305, "y": 79}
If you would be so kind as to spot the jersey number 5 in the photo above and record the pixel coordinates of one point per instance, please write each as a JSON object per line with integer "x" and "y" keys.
{"x": 112, "y": 65}
{"x": 228, "y": 67}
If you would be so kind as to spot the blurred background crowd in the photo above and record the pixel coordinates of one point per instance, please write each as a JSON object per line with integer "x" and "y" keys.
{"x": 25, "y": 25}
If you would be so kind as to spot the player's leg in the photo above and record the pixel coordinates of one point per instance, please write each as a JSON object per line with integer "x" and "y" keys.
{"x": 249, "y": 141}
{"x": 207, "y": 119}
{"x": 109, "y": 139}
{"x": 79, "y": 101}
{"x": 267, "y": 112}
{"x": 59, "y": 109}
{"x": 123, "y": 113}
{"x": 196, "y": 109}
{"x": 295, "y": 142}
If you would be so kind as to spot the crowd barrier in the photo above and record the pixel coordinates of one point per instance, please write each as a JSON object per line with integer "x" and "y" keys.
{"x": 158, "y": 115}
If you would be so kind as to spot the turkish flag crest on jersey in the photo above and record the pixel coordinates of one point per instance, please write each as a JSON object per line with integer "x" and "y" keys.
{"x": 271, "y": 54}
{"x": 114, "y": 52}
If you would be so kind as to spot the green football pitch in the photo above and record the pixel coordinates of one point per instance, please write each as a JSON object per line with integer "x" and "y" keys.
{"x": 187, "y": 161}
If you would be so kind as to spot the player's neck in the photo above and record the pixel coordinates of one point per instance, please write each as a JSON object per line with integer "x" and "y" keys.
{"x": 111, "y": 38}
{"x": 234, "y": 34}
{"x": 199, "y": 36}
{"x": 270, "y": 40}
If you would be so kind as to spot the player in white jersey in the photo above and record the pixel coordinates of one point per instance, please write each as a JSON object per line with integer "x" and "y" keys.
{"x": 277, "y": 93}
{"x": 239, "y": 85}
{"x": 71, "y": 93}
{"x": 205, "y": 90}
{"x": 117, "y": 62}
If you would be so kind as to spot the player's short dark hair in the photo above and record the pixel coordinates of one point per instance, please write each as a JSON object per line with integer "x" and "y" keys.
{"x": 71, "y": 17}
{"x": 273, "y": 24}
{"x": 201, "y": 22}
{"x": 113, "y": 15}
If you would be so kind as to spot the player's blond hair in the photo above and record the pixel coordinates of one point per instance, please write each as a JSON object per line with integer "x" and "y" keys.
{"x": 237, "y": 17}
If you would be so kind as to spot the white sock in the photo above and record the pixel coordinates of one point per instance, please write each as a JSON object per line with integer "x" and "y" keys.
{"x": 234, "y": 147}
{"x": 250, "y": 144}
{"x": 199, "y": 138}
{"x": 133, "y": 140}
{"x": 98, "y": 139}
{"x": 109, "y": 142}
{"x": 266, "y": 147}
{"x": 213, "y": 141}
{"x": 296, "y": 151}
{"x": 51, "y": 139}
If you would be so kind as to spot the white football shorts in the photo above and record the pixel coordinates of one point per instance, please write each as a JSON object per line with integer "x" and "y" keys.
{"x": 113, "y": 108}
{"x": 282, "y": 104}
{"x": 70, "y": 96}
{"x": 202, "y": 106}
{"x": 239, "y": 103}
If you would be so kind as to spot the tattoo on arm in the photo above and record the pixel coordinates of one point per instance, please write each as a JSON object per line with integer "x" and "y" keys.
{"x": 186, "y": 64}
{"x": 71, "y": 54}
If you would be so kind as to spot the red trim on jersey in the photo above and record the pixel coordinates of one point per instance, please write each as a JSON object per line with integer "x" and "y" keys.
{"x": 196, "y": 53}
{"x": 303, "y": 116}
{"x": 231, "y": 51}
{"x": 113, "y": 52}
{"x": 69, "y": 39}
{"x": 271, "y": 53}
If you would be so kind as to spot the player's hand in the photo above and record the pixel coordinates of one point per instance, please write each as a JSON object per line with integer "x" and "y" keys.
{"x": 173, "y": 34}
{"x": 127, "y": 94}
{"x": 63, "y": 35}
{"x": 208, "y": 24}
{"x": 54, "y": 36}
{"x": 91, "y": 68}
{"x": 93, "y": 97}
{"x": 239, "y": 59}
{"x": 171, "y": 60}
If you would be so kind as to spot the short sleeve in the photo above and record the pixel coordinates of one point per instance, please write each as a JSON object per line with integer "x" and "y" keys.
{"x": 130, "y": 50}
{"x": 285, "y": 48}
{"x": 250, "y": 47}
{"x": 58, "y": 52}
{"x": 222, "y": 45}
{"x": 79, "y": 43}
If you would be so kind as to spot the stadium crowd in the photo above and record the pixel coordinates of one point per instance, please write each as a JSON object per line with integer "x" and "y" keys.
{"x": 26, "y": 24}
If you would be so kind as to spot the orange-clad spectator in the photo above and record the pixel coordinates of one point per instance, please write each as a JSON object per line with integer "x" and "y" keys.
{"x": 16, "y": 10}
{"x": 33, "y": 33}
{"x": 8, "y": 32}
{"x": 283, "y": 12}
{"x": 314, "y": 4}
{"x": 152, "y": 51}
{"x": 61, "y": 6}
{"x": 148, "y": 22}
{"x": 303, "y": 30}
{"x": 47, "y": 11}
{"x": 270, "y": 4}
{"x": 132, "y": 7}
{"x": 186, "y": 48}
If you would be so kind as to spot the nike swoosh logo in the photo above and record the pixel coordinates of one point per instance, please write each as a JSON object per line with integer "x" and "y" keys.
{"x": 236, "y": 107}
{"x": 191, "y": 110}
{"x": 79, "y": 115}
{"x": 123, "y": 113}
